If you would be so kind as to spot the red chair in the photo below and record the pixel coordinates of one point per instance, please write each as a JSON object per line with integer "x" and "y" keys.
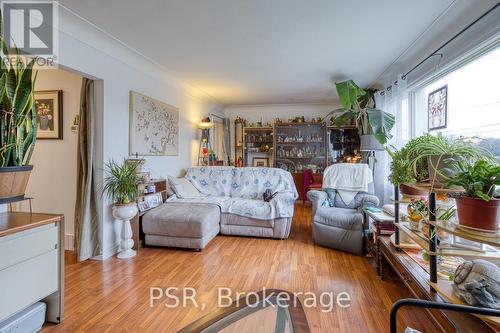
{"x": 308, "y": 184}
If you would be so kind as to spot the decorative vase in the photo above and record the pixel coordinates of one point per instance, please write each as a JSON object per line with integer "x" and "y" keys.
{"x": 44, "y": 122}
{"x": 13, "y": 182}
{"x": 479, "y": 214}
{"x": 125, "y": 213}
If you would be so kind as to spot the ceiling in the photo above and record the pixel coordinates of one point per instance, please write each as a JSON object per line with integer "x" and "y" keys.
{"x": 266, "y": 51}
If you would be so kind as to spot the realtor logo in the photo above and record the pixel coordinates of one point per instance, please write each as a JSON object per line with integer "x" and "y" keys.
{"x": 31, "y": 26}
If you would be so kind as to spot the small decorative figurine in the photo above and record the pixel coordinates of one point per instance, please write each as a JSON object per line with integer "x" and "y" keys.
{"x": 477, "y": 283}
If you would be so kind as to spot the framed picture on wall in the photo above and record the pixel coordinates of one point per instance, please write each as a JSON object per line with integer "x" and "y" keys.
{"x": 154, "y": 127}
{"x": 260, "y": 162}
{"x": 437, "y": 108}
{"x": 49, "y": 109}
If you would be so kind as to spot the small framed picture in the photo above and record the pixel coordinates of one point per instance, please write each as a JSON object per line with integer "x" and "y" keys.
{"x": 49, "y": 109}
{"x": 437, "y": 108}
{"x": 260, "y": 162}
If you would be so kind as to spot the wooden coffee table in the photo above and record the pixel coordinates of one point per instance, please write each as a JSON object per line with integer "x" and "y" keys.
{"x": 272, "y": 310}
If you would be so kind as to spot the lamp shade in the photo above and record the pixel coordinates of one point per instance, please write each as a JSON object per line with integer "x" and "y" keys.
{"x": 370, "y": 143}
{"x": 205, "y": 123}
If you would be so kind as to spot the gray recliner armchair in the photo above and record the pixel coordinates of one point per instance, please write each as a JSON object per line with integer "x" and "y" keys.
{"x": 337, "y": 225}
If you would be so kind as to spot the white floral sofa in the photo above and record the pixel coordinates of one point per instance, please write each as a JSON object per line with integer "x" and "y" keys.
{"x": 238, "y": 192}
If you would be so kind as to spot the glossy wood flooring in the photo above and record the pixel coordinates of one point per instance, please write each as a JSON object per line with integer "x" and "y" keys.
{"x": 113, "y": 296}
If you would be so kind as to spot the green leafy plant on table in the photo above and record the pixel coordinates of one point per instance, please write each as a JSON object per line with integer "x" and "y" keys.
{"x": 412, "y": 162}
{"x": 477, "y": 178}
{"x": 479, "y": 206}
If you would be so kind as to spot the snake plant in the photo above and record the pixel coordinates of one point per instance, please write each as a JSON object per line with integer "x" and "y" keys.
{"x": 18, "y": 118}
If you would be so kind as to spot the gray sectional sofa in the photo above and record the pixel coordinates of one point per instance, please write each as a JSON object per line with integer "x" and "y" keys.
{"x": 231, "y": 201}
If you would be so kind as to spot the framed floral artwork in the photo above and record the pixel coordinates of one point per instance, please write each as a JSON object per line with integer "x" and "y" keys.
{"x": 154, "y": 127}
{"x": 49, "y": 109}
{"x": 437, "y": 107}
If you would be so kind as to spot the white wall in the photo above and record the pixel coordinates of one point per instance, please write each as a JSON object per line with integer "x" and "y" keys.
{"x": 53, "y": 179}
{"x": 268, "y": 113}
{"x": 86, "y": 49}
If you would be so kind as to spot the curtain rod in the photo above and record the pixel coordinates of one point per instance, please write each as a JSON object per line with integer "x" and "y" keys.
{"x": 435, "y": 53}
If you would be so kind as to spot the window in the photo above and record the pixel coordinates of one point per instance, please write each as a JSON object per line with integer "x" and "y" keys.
{"x": 473, "y": 101}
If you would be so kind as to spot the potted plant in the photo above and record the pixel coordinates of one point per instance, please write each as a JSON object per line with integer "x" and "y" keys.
{"x": 428, "y": 158}
{"x": 358, "y": 105}
{"x": 479, "y": 207}
{"x": 404, "y": 169}
{"x": 439, "y": 153}
{"x": 121, "y": 185}
{"x": 18, "y": 123}
{"x": 418, "y": 209}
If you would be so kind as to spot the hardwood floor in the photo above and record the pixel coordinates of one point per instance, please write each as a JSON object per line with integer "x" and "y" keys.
{"x": 114, "y": 295}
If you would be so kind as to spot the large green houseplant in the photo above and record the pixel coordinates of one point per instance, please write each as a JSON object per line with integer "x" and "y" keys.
{"x": 358, "y": 104}
{"x": 429, "y": 158}
{"x": 479, "y": 206}
{"x": 121, "y": 185}
{"x": 18, "y": 122}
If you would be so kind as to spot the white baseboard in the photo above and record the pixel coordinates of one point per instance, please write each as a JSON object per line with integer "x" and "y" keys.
{"x": 108, "y": 253}
{"x": 69, "y": 242}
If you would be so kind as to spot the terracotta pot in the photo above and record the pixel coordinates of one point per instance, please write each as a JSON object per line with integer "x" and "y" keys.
{"x": 408, "y": 190}
{"x": 479, "y": 214}
{"x": 13, "y": 182}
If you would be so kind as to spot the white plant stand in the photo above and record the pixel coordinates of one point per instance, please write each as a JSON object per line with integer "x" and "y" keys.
{"x": 125, "y": 213}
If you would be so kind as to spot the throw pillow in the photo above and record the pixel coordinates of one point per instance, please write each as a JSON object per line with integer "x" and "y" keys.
{"x": 183, "y": 188}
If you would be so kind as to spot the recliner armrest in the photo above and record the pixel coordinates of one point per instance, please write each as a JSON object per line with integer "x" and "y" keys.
{"x": 317, "y": 196}
{"x": 369, "y": 200}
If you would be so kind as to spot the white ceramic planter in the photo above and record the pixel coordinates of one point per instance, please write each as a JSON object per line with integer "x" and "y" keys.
{"x": 125, "y": 213}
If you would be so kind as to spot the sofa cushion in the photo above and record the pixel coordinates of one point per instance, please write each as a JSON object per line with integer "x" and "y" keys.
{"x": 182, "y": 220}
{"x": 231, "y": 219}
{"x": 246, "y": 186}
{"x": 213, "y": 181}
{"x": 183, "y": 188}
{"x": 257, "y": 209}
{"x": 343, "y": 218}
{"x": 247, "y": 183}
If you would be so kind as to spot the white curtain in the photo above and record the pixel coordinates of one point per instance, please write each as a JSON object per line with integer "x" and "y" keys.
{"x": 390, "y": 100}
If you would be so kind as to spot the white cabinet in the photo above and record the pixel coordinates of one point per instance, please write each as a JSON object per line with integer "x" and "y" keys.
{"x": 31, "y": 263}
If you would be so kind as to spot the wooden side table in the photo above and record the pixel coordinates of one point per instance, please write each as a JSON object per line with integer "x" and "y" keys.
{"x": 137, "y": 235}
{"x": 379, "y": 218}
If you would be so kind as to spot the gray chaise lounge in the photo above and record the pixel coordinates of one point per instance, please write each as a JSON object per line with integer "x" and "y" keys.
{"x": 183, "y": 225}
